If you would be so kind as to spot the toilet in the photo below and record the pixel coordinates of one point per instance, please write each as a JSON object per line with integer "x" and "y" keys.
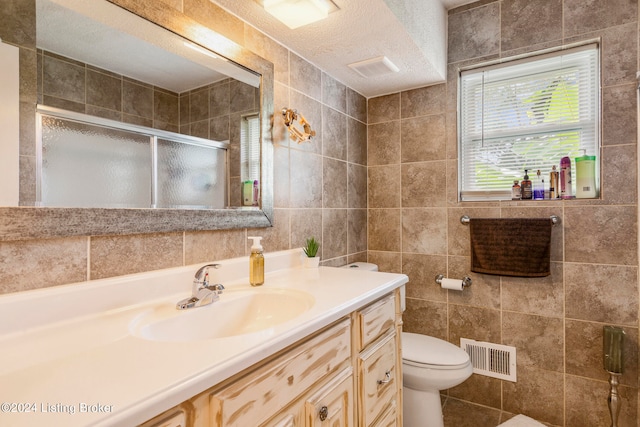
{"x": 429, "y": 365}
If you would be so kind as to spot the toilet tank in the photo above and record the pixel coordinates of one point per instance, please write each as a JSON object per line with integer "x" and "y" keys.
{"x": 374, "y": 267}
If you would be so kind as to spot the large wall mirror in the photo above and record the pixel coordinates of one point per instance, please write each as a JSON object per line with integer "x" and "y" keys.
{"x": 188, "y": 110}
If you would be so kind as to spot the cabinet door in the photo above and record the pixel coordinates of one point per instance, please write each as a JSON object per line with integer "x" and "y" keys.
{"x": 174, "y": 419}
{"x": 332, "y": 405}
{"x": 377, "y": 373}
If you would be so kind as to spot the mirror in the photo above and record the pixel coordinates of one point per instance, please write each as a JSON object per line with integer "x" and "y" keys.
{"x": 247, "y": 80}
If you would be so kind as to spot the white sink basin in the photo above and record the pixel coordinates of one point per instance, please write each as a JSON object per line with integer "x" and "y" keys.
{"x": 238, "y": 312}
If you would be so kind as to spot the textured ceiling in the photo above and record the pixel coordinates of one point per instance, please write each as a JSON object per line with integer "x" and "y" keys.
{"x": 411, "y": 33}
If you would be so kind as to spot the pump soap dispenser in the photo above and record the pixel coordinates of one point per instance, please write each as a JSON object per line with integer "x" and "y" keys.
{"x": 586, "y": 176}
{"x": 256, "y": 263}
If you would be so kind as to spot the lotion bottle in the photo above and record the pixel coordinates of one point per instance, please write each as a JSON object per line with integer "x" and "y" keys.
{"x": 586, "y": 176}
{"x": 256, "y": 263}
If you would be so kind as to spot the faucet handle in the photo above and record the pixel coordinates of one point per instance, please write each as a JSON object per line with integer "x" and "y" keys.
{"x": 204, "y": 270}
{"x": 217, "y": 288}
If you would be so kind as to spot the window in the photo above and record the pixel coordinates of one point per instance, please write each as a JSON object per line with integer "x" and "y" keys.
{"x": 250, "y": 147}
{"x": 526, "y": 114}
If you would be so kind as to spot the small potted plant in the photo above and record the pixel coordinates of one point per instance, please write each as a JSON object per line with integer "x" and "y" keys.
{"x": 311, "y": 251}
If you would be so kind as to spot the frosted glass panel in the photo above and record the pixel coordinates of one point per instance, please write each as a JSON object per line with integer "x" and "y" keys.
{"x": 91, "y": 166}
{"x": 190, "y": 175}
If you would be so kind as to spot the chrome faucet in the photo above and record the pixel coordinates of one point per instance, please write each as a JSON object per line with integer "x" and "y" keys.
{"x": 202, "y": 293}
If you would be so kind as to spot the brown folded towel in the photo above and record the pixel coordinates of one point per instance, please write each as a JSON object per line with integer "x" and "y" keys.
{"x": 511, "y": 246}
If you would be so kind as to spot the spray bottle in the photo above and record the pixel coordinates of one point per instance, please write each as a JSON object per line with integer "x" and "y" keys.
{"x": 256, "y": 263}
{"x": 566, "y": 192}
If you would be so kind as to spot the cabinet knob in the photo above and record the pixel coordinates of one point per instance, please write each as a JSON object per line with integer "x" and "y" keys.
{"x": 323, "y": 413}
{"x": 387, "y": 378}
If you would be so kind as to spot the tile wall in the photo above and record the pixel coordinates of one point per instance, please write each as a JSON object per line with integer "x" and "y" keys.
{"x": 320, "y": 187}
{"x": 414, "y": 225}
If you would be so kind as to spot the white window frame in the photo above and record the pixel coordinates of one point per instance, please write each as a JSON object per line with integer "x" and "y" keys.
{"x": 470, "y": 185}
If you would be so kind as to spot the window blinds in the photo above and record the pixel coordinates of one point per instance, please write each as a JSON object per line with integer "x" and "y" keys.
{"x": 250, "y": 147}
{"x": 526, "y": 114}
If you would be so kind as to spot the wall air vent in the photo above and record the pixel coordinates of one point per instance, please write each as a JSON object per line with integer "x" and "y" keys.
{"x": 491, "y": 360}
{"x": 374, "y": 67}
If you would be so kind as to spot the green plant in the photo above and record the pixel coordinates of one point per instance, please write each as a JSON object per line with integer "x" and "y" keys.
{"x": 311, "y": 248}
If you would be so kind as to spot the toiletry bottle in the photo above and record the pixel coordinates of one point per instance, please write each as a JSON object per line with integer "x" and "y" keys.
{"x": 586, "y": 176}
{"x": 256, "y": 193}
{"x": 526, "y": 186}
{"x": 256, "y": 263}
{"x": 516, "y": 194}
{"x": 566, "y": 192}
{"x": 538, "y": 188}
{"x": 247, "y": 193}
{"x": 554, "y": 178}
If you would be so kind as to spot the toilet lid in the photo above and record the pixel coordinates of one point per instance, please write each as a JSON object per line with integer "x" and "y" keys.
{"x": 428, "y": 350}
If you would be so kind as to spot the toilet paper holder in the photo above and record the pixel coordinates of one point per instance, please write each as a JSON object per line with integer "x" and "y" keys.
{"x": 466, "y": 280}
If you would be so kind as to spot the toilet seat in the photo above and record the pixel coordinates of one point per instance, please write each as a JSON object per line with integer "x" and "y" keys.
{"x": 430, "y": 352}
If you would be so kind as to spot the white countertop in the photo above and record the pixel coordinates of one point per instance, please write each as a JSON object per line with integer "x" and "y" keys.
{"x": 68, "y": 357}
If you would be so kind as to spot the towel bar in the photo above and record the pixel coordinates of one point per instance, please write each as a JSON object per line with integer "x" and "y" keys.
{"x": 464, "y": 219}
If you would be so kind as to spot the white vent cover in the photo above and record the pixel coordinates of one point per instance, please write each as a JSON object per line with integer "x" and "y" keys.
{"x": 374, "y": 67}
{"x": 491, "y": 360}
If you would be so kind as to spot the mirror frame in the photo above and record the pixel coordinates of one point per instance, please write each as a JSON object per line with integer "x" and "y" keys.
{"x": 21, "y": 223}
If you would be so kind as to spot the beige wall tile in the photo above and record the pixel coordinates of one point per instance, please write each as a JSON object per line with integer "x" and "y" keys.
{"x": 383, "y": 108}
{"x": 306, "y": 78}
{"x": 384, "y": 143}
{"x": 305, "y": 223}
{"x": 474, "y": 33}
{"x": 601, "y": 293}
{"x": 334, "y": 228}
{"x": 462, "y": 414}
{"x": 422, "y": 269}
{"x": 270, "y": 50}
{"x": 357, "y": 141}
{"x": 586, "y": 403}
{"x": 423, "y": 138}
{"x": 276, "y": 238}
{"x": 389, "y": 262}
{"x": 356, "y": 230}
{"x": 305, "y": 184}
{"x": 215, "y": 18}
{"x": 334, "y": 183}
{"x": 424, "y": 230}
{"x": 214, "y": 245}
{"x": 539, "y": 340}
{"x": 485, "y": 288}
{"x": 525, "y": 23}
{"x": 383, "y": 186}
{"x": 356, "y": 186}
{"x": 543, "y": 296}
{"x": 583, "y": 16}
{"x": 118, "y": 255}
{"x": 424, "y": 101}
{"x": 424, "y": 184}
{"x": 601, "y": 234}
{"x": 334, "y": 93}
{"x": 480, "y": 324}
{"x": 584, "y": 352}
{"x": 479, "y": 389}
{"x": 619, "y": 174}
{"x": 538, "y": 394}
{"x": 426, "y": 317}
{"x": 384, "y": 229}
{"x": 42, "y": 263}
{"x": 619, "y": 119}
{"x": 356, "y": 105}
{"x": 334, "y": 134}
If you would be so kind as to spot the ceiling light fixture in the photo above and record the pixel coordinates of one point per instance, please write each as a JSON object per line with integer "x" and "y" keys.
{"x": 296, "y": 13}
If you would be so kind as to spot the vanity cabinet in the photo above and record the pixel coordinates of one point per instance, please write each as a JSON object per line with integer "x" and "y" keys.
{"x": 345, "y": 375}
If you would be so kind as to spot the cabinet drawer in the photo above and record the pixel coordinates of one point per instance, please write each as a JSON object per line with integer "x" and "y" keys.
{"x": 377, "y": 367}
{"x": 332, "y": 405}
{"x": 388, "y": 419}
{"x": 257, "y": 397}
{"x": 376, "y": 319}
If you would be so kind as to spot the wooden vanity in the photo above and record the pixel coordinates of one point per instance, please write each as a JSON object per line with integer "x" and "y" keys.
{"x": 347, "y": 374}
{"x": 334, "y": 362}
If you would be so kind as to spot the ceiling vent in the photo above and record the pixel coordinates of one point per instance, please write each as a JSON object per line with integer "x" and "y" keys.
{"x": 374, "y": 67}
